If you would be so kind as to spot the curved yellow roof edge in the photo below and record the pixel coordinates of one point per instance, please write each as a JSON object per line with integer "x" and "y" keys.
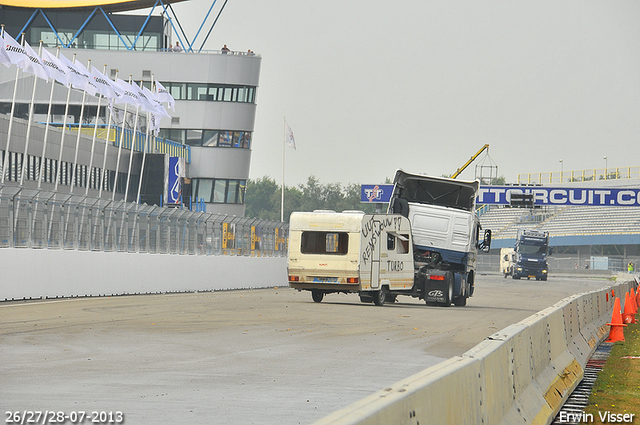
{"x": 75, "y": 4}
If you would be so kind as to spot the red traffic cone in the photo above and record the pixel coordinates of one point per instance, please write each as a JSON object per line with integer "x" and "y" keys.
{"x": 616, "y": 333}
{"x": 627, "y": 315}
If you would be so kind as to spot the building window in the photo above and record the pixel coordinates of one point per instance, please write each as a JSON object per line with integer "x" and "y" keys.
{"x": 220, "y": 191}
{"x": 194, "y": 137}
{"x": 204, "y": 189}
{"x": 209, "y": 138}
{"x": 211, "y": 92}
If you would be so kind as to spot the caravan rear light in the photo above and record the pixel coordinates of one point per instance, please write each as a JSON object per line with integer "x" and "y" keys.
{"x": 436, "y": 277}
{"x": 294, "y": 278}
{"x": 352, "y": 280}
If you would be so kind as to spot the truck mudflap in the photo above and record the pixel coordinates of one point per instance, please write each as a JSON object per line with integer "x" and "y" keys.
{"x": 438, "y": 287}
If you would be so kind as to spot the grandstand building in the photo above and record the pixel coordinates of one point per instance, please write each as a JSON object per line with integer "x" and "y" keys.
{"x": 211, "y": 127}
{"x": 582, "y": 237}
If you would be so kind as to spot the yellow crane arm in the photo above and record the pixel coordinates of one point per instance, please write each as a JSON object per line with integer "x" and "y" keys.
{"x": 461, "y": 169}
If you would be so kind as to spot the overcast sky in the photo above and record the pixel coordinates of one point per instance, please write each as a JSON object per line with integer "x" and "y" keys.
{"x": 369, "y": 86}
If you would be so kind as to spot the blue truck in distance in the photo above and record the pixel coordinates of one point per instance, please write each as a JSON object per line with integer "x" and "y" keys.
{"x": 529, "y": 258}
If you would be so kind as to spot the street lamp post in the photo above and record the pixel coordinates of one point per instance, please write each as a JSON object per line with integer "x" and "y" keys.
{"x": 605, "y": 167}
{"x": 561, "y": 170}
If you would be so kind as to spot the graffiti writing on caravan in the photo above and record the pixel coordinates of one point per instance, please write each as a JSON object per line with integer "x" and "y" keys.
{"x": 371, "y": 231}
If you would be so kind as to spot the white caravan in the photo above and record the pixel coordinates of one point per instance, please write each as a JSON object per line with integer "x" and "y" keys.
{"x": 370, "y": 254}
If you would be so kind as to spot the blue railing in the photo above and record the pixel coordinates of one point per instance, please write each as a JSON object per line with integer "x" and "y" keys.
{"x": 155, "y": 145}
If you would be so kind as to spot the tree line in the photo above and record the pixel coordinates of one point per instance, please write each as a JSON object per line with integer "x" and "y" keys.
{"x": 263, "y": 198}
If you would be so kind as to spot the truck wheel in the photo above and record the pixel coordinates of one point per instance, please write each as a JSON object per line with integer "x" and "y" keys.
{"x": 515, "y": 277}
{"x": 448, "y": 295}
{"x": 380, "y": 297}
{"x": 317, "y": 295}
{"x": 544, "y": 278}
{"x": 460, "y": 301}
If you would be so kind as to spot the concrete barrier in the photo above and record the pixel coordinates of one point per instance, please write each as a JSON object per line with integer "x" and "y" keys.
{"x": 520, "y": 375}
{"x": 33, "y": 273}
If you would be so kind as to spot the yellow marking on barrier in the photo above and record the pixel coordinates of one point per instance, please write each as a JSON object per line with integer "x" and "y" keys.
{"x": 592, "y": 342}
{"x": 564, "y": 383}
{"x": 603, "y": 330}
{"x": 542, "y": 418}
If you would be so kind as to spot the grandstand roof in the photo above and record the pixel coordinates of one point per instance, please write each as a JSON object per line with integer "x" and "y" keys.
{"x": 107, "y": 5}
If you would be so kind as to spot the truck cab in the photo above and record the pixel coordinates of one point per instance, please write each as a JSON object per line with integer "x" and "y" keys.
{"x": 531, "y": 251}
{"x": 445, "y": 226}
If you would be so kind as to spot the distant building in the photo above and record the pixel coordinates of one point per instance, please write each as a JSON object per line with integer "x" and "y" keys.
{"x": 215, "y": 97}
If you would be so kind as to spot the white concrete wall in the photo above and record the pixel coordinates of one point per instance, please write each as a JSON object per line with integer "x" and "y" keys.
{"x": 518, "y": 376}
{"x": 32, "y": 273}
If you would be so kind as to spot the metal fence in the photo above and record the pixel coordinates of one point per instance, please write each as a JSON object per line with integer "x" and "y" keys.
{"x": 491, "y": 262}
{"x": 46, "y": 220}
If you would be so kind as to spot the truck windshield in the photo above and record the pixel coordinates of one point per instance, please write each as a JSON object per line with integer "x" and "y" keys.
{"x": 336, "y": 243}
{"x": 533, "y": 249}
{"x": 449, "y": 194}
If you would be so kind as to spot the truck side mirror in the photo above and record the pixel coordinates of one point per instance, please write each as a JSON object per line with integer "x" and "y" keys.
{"x": 550, "y": 251}
{"x": 485, "y": 245}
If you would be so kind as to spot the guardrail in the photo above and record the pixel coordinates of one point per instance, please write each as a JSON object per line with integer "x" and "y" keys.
{"x": 520, "y": 375}
{"x": 154, "y": 145}
{"x": 580, "y": 175}
{"x": 47, "y": 220}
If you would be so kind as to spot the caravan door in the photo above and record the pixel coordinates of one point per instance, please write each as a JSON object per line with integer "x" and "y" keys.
{"x": 370, "y": 251}
{"x": 375, "y": 266}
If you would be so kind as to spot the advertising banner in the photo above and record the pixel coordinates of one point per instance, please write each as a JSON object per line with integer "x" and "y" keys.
{"x": 376, "y": 193}
{"x": 175, "y": 175}
{"x": 542, "y": 195}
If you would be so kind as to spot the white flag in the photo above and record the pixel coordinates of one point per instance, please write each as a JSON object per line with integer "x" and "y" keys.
{"x": 128, "y": 94}
{"x": 164, "y": 96}
{"x": 79, "y": 76}
{"x": 104, "y": 85}
{"x": 145, "y": 103}
{"x": 34, "y": 65}
{"x": 288, "y": 136}
{"x": 57, "y": 70}
{"x": 14, "y": 51}
{"x": 4, "y": 57}
{"x": 158, "y": 109}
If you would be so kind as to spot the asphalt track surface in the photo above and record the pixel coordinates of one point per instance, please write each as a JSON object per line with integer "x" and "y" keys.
{"x": 268, "y": 356}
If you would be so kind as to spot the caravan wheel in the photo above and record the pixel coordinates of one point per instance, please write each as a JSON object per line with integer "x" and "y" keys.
{"x": 317, "y": 295}
{"x": 380, "y": 296}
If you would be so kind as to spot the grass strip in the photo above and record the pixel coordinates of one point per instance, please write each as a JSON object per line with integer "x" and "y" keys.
{"x": 617, "y": 389}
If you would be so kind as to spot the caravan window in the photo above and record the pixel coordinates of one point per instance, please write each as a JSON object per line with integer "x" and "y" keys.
{"x": 391, "y": 242}
{"x": 403, "y": 246}
{"x": 324, "y": 243}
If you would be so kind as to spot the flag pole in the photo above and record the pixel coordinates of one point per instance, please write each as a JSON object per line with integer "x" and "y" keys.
{"x": 124, "y": 119}
{"x": 133, "y": 143}
{"x": 46, "y": 128}
{"x": 62, "y": 134}
{"x": 5, "y": 162}
{"x": 284, "y": 135}
{"x": 29, "y": 124}
{"x": 104, "y": 176}
{"x": 144, "y": 151}
{"x": 74, "y": 173}
{"x": 93, "y": 141}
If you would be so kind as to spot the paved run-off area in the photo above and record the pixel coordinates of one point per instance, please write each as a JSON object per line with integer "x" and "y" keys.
{"x": 268, "y": 356}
